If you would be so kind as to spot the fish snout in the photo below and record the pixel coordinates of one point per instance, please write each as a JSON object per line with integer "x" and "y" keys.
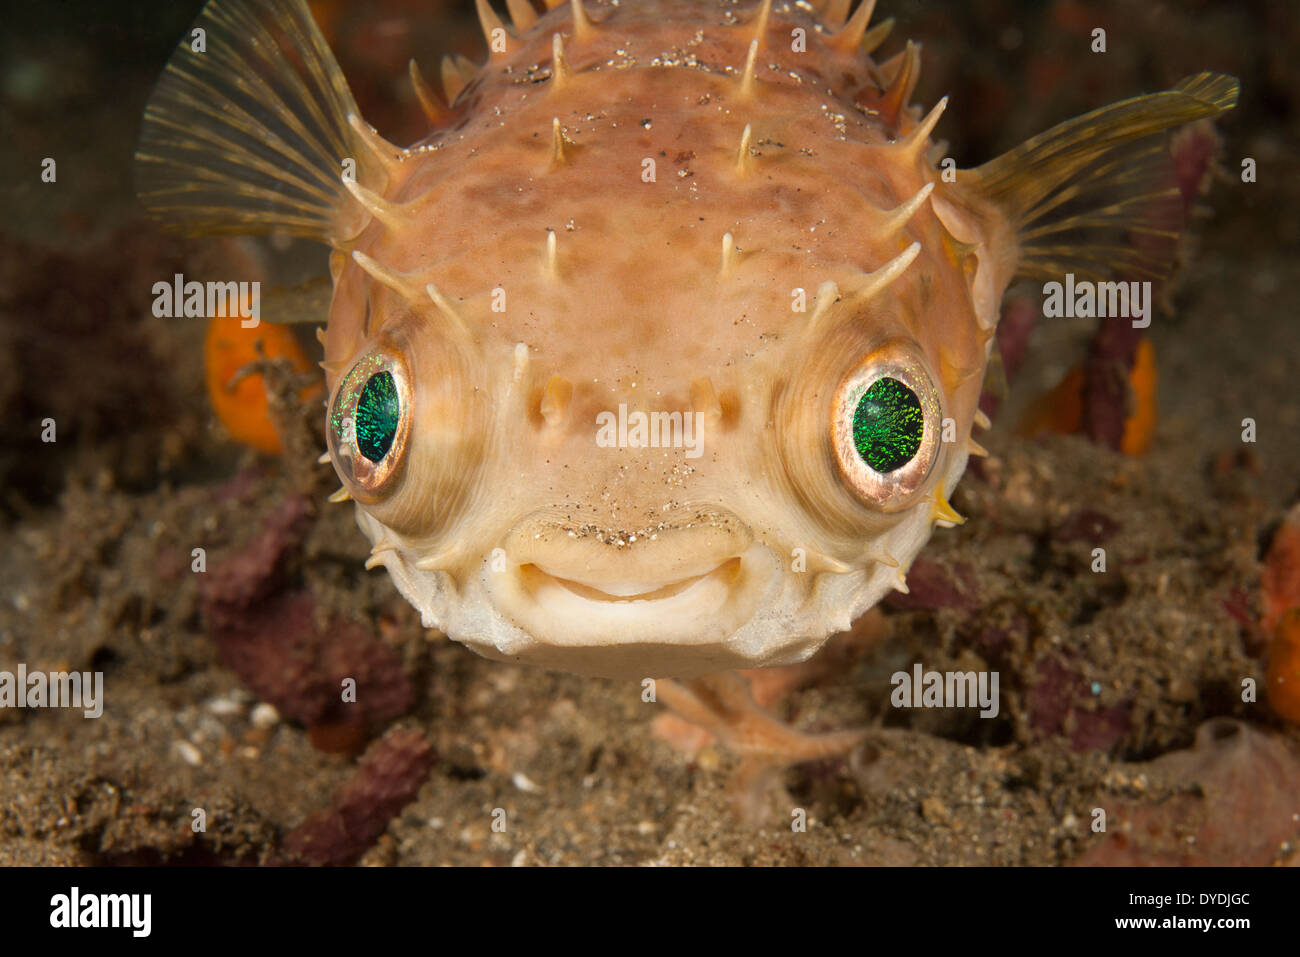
{"x": 665, "y": 598}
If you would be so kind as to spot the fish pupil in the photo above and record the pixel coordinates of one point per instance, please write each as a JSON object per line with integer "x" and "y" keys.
{"x": 888, "y": 425}
{"x": 378, "y": 410}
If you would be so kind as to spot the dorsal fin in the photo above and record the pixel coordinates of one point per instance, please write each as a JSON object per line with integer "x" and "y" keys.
{"x": 248, "y": 131}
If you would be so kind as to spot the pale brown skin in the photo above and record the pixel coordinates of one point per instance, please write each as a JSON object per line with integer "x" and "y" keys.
{"x": 637, "y": 308}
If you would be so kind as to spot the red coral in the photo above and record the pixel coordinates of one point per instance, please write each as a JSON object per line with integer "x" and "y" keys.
{"x": 387, "y": 778}
{"x": 270, "y": 638}
{"x": 242, "y": 579}
{"x": 282, "y": 655}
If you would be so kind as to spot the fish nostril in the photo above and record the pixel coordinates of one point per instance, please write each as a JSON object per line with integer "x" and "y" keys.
{"x": 554, "y": 406}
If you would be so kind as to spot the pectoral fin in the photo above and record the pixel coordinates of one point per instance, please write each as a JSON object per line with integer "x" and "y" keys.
{"x": 1097, "y": 195}
{"x": 252, "y": 128}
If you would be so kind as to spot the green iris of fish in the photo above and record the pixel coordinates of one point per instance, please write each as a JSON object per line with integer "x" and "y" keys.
{"x": 377, "y": 412}
{"x": 888, "y": 425}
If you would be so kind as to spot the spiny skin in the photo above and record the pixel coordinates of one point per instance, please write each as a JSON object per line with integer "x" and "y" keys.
{"x": 638, "y": 309}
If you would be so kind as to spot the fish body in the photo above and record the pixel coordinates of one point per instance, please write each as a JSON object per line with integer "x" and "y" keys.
{"x": 661, "y": 353}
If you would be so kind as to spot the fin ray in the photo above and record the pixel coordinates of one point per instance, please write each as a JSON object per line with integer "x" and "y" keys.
{"x": 250, "y": 134}
{"x": 1096, "y": 195}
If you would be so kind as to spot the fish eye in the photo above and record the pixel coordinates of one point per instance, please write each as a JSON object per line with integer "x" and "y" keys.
{"x": 369, "y": 421}
{"x": 885, "y": 428}
{"x": 378, "y": 411}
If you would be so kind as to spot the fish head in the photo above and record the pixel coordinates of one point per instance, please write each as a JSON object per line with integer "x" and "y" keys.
{"x": 665, "y": 395}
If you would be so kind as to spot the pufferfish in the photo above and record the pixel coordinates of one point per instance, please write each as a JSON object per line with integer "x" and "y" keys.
{"x": 659, "y": 356}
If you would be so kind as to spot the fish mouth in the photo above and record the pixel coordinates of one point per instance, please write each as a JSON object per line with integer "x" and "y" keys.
{"x": 537, "y": 581}
{"x": 614, "y": 626}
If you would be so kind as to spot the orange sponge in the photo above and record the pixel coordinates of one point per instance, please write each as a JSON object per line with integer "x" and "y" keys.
{"x": 1284, "y": 667}
{"x": 240, "y": 402}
